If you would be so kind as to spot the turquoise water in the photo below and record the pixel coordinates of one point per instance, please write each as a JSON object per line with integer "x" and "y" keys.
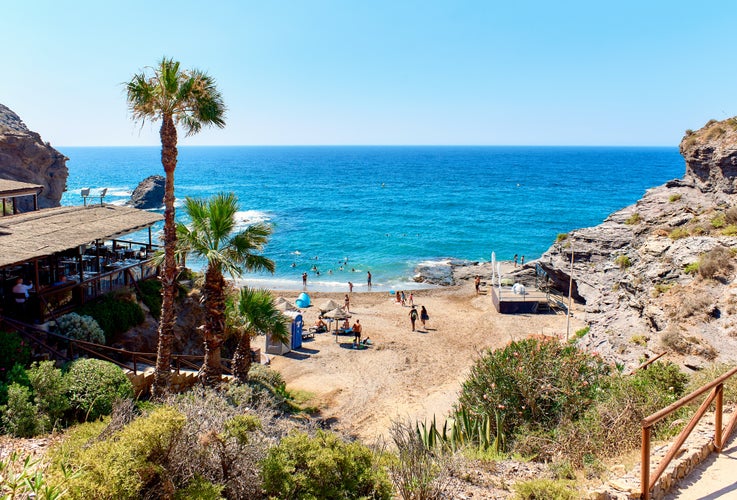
{"x": 386, "y": 209}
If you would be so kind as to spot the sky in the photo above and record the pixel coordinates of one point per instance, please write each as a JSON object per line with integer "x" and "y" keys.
{"x": 380, "y": 72}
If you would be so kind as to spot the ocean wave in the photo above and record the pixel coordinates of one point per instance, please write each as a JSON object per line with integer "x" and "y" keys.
{"x": 248, "y": 217}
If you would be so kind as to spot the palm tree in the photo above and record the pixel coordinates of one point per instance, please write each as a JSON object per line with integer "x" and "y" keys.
{"x": 255, "y": 313}
{"x": 213, "y": 236}
{"x": 186, "y": 98}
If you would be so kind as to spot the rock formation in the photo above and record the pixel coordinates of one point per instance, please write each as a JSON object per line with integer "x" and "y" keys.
{"x": 149, "y": 193}
{"x": 25, "y": 157}
{"x": 659, "y": 275}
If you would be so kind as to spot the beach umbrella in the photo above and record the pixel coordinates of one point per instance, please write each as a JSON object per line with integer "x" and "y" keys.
{"x": 328, "y": 306}
{"x": 284, "y": 305}
{"x": 337, "y": 314}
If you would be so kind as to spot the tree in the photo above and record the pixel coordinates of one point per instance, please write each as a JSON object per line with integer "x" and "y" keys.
{"x": 254, "y": 313}
{"x": 177, "y": 97}
{"x": 213, "y": 236}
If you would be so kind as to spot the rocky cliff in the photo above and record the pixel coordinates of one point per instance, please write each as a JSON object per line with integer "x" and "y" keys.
{"x": 659, "y": 275}
{"x": 25, "y": 157}
{"x": 149, "y": 193}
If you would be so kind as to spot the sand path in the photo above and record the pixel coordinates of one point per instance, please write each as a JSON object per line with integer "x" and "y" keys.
{"x": 404, "y": 374}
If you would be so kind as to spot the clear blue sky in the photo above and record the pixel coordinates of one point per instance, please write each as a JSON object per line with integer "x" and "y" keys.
{"x": 381, "y": 72}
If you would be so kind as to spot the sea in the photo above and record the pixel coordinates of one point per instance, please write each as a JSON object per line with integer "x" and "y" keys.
{"x": 340, "y": 212}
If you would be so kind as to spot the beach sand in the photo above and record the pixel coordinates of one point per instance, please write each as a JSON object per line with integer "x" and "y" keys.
{"x": 403, "y": 374}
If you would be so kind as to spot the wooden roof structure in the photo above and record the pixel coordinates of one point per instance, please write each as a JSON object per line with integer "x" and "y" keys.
{"x": 10, "y": 189}
{"x": 36, "y": 234}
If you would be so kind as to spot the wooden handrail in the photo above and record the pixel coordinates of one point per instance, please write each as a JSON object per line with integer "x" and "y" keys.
{"x": 720, "y": 434}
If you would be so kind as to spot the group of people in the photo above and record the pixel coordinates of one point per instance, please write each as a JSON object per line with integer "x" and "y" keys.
{"x": 423, "y": 316}
{"x": 401, "y": 298}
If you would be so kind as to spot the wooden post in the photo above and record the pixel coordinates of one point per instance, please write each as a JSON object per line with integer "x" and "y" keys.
{"x": 718, "y": 417}
{"x": 645, "y": 467}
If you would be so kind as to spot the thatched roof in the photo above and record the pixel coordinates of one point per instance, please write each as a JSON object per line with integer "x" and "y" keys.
{"x": 9, "y": 189}
{"x": 43, "y": 232}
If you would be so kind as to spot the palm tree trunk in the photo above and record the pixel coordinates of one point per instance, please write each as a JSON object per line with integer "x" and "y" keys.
{"x": 214, "y": 331}
{"x": 242, "y": 358}
{"x": 162, "y": 375}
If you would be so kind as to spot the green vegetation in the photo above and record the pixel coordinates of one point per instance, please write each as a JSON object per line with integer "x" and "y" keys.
{"x": 79, "y": 327}
{"x": 94, "y": 385}
{"x": 115, "y": 314}
{"x": 547, "y": 489}
{"x": 661, "y": 288}
{"x": 678, "y": 233}
{"x": 580, "y": 333}
{"x": 13, "y": 350}
{"x": 323, "y": 466}
{"x": 623, "y": 261}
{"x": 717, "y": 261}
{"x": 730, "y": 230}
{"x": 718, "y": 221}
{"x": 561, "y": 237}
{"x": 640, "y": 340}
{"x": 151, "y": 296}
{"x": 635, "y": 218}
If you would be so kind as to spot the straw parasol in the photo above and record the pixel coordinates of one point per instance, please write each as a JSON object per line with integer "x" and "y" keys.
{"x": 337, "y": 314}
{"x": 329, "y": 306}
{"x": 284, "y": 305}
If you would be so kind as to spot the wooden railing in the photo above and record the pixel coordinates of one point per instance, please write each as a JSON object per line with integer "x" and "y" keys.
{"x": 68, "y": 349}
{"x": 647, "y": 481}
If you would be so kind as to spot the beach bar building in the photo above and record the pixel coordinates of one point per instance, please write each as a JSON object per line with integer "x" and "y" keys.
{"x": 70, "y": 254}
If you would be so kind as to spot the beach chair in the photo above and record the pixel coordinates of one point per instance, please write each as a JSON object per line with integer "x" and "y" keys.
{"x": 309, "y": 334}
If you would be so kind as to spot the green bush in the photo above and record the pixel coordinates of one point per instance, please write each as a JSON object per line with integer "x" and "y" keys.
{"x": 266, "y": 375}
{"x": 545, "y": 489}
{"x": 129, "y": 462}
{"x": 678, "y": 233}
{"x": 623, "y": 262}
{"x": 691, "y": 268}
{"x": 19, "y": 415}
{"x": 80, "y": 327}
{"x": 635, "y": 218}
{"x": 151, "y": 296}
{"x": 322, "y": 467}
{"x": 13, "y": 350}
{"x": 115, "y": 314}
{"x": 539, "y": 381}
{"x": 49, "y": 393}
{"x": 718, "y": 221}
{"x": 730, "y": 230}
{"x": 93, "y": 386}
{"x": 675, "y": 197}
{"x": 22, "y": 477}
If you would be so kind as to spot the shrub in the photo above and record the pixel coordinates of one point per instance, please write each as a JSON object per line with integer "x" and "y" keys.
{"x": 128, "y": 463}
{"x": 623, "y": 262}
{"x": 730, "y": 230}
{"x": 561, "y": 237}
{"x": 731, "y": 215}
{"x": 540, "y": 381}
{"x": 22, "y": 477}
{"x": 545, "y": 489}
{"x": 678, "y": 233}
{"x": 675, "y": 197}
{"x": 49, "y": 393}
{"x": 151, "y": 296}
{"x": 322, "y": 467}
{"x": 115, "y": 314}
{"x": 79, "y": 327}
{"x": 13, "y": 350}
{"x": 718, "y": 221}
{"x": 266, "y": 375}
{"x": 640, "y": 340}
{"x": 635, "y": 218}
{"x": 93, "y": 386}
{"x": 417, "y": 472}
{"x": 691, "y": 268}
{"x": 716, "y": 261}
{"x": 19, "y": 415}
{"x": 580, "y": 333}
{"x": 661, "y": 288}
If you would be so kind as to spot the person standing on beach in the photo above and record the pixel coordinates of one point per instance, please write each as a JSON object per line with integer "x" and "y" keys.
{"x": 350, "y": 287}
{"x": 413, "y": 317}
{"x": 477, "y": 283}
{"x": 404, "y": 299}
{"x": 304, "y": 279}
{"x": 411, "y": 299}
{"x": 515, "y": 260}
{"x": 424, "y": 317}
{"x": 347, "y": 304}
{"x": 522, "y": 261}
{"x": 368, "y": 278}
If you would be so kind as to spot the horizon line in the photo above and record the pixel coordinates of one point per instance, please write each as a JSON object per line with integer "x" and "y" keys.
{"x": 377, "y": 146}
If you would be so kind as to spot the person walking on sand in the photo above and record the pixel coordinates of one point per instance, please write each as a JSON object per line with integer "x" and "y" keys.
{"x": 404, "y": 299}
{"x": 413, "y": 317}
{"x": 350, "y": 287}
{"x": 347, "y": 304}
{"x": 477, "y": 283}
{"x": 411, "y": 299}
{"x": 424, "y": 317}
{"x": 368, "y": 278}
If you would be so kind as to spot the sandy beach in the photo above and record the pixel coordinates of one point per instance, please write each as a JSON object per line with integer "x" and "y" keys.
{"x": 403, "y": 374}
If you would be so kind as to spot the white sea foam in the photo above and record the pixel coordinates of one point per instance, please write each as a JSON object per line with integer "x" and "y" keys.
{"x": 248, "y": 217}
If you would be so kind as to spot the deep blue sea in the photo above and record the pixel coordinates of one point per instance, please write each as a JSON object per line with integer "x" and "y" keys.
{"x": 386, "y": 209}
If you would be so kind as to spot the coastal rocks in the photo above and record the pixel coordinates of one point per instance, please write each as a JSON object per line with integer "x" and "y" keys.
{"x": 639, "y": 274}
{"x": 149, "y": 194}
{"x": 438, "y": 272}
{"x": 25, "y": 157}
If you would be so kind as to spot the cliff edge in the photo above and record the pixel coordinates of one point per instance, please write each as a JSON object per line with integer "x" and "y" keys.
{"x": 25, "y": 157}
{"x": 659, "y": 275}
